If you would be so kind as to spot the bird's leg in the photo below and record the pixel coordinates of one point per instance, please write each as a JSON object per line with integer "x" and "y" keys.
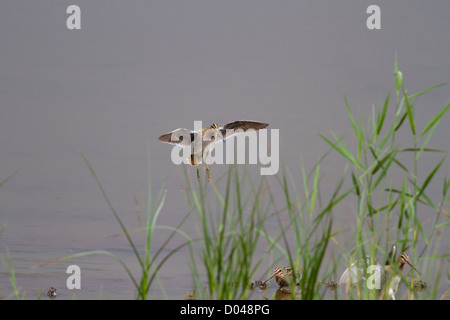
{"x": 205, "y": 155}
{"x": 207, "y": 172}
{"x": 198, "y": 173}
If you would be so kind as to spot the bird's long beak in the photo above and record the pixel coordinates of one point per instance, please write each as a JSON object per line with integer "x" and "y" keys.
{"x": 410, "y": 264}
{"x": 273, "y": 275}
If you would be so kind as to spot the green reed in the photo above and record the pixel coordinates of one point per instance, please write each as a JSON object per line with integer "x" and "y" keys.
{"x": 228, "y": 234}
{"x": 150, "y": 262}
{"x": 392, "y": 198}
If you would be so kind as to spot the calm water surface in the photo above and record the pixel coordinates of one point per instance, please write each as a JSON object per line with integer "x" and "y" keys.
{"x": 140, "y": 69}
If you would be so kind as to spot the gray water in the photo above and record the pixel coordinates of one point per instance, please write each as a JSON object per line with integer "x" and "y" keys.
{"x": 139, "y": 69}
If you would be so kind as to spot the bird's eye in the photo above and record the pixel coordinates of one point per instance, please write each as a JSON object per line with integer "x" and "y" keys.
{"x": 180, "y": 138}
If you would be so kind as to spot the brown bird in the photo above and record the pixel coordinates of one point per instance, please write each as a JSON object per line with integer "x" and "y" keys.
{"x": 283, "y": 277}
{"x": 204, "y": 140}
{"x": 393, "y": 276}
{"x": 51, "y": 292}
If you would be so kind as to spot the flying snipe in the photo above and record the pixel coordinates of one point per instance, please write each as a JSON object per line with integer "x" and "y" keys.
{"x": 355, "y": 272}
{"x": 208, "y": 137}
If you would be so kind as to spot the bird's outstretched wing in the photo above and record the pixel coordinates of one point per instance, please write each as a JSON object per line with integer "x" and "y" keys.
{"x": 229, "y": 129}
{"x": 182, "y": 137}
{"x": 350, "y": 275}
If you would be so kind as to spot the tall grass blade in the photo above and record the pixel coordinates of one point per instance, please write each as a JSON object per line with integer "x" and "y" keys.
{"x": 409, "y": 112}
{"x": 434, "y": 120}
